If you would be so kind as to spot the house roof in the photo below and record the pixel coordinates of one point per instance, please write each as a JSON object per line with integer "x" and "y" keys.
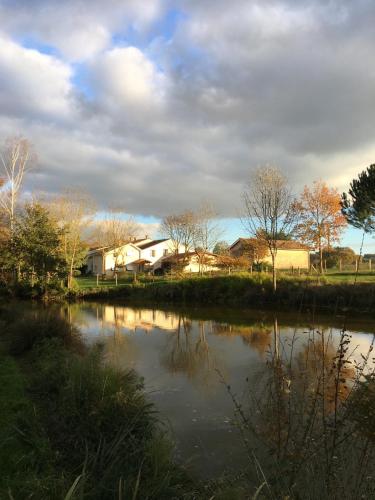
{"x": 280, "y": 244}
{"x": 110, "y": 249}
{"x": 141, "y": 261}
{"x": 151, "y": 243}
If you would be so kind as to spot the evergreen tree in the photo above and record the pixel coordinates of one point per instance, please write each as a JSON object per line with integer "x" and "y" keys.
{"x": 358, "y": 206}
{"x": 36, "y": 243}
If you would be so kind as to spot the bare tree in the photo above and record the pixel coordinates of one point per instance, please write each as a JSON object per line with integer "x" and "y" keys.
{"x": 268, "y": 209}
{"x": 181, "y": 229}
{"x": 16, "y": 158}
{"x": 207, "y": 232}
{"x": 74, "y": 213}
{"x": 114, "y": 232}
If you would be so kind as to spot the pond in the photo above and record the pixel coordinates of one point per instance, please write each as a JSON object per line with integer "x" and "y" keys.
{"x": 199, "y": 364}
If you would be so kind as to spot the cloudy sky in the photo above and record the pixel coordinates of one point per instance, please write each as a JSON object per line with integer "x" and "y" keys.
{"x": 153, "y": 106}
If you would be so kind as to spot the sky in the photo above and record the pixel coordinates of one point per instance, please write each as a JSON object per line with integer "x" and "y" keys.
{"x": 155, "y": 106}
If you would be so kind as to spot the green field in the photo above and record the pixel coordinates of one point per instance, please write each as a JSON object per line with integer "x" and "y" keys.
{"x": 330, "y": 277}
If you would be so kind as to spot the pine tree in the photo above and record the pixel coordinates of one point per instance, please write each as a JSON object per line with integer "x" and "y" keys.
{"x": 358, "y": 206}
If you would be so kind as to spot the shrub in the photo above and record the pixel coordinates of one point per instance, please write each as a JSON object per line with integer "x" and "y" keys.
{"x": 32, "y": 326}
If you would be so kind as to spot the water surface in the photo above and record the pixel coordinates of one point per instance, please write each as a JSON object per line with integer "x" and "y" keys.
{"x": 189, "y": 358}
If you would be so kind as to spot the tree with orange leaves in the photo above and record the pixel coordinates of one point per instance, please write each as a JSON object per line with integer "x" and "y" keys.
{"x": 320, "y": 219}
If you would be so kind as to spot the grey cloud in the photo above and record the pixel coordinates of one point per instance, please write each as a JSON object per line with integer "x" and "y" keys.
{"x": 185, "y": 120}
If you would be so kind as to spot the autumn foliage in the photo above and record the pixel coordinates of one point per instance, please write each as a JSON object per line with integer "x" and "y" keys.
{"x": 320, "y": 221}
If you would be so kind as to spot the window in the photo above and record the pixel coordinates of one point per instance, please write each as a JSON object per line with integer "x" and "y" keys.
{"x": 153, "y": 253}
{"x": 165, "y": 251}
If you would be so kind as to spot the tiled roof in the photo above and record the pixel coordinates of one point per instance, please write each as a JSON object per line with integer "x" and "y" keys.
{"x": 280, "y": 244}
{"x": 150, "y": 243}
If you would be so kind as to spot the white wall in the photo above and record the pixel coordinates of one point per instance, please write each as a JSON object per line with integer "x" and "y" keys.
{"x": 156, "y": 253}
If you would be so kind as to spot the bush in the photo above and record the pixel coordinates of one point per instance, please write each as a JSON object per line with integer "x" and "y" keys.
{"x": 33, "y": 326}
{"x": 103, "y": 427}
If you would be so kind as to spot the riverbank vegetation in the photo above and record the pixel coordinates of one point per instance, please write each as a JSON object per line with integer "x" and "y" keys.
{"x": 244, "y": 289}
{"x": 72, "y": 426}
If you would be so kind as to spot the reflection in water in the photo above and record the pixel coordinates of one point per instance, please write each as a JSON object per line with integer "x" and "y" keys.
{"x": 183, "y": 361}
{"x": 187, "y": 351}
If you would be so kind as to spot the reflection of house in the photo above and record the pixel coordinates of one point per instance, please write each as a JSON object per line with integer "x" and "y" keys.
{"x": 289, "y": 253}
{"x": 191, "y": 262}
{"x": 146, "y": 319}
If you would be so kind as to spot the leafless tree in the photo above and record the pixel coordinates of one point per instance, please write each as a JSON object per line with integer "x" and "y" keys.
{"x": 114, "y": 232}
{"x": 16, "y": 158}
{"x": 207, "y": 232}
{"x": 74, "y": 212}
{"x": 268, "y": 209}
{"x": 181, "y": 229}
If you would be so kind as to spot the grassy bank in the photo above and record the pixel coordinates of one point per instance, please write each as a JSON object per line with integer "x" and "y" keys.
{"x": 73, "y": 427}
{"x": 246, "y": 290}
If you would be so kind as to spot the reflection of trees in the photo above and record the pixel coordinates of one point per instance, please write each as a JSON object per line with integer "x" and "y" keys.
{"x": 300, "y": 414}
{"x": 120, "y": 350}
{"x": 257, "y": 336}
{"x": 189, "y": 353}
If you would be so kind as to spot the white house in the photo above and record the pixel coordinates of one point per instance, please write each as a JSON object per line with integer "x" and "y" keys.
{"x": 191, "y": 263}
{"x": 104, "y": 260}
{"x": 138, "y": 255}
{"x": 155, "y": 251}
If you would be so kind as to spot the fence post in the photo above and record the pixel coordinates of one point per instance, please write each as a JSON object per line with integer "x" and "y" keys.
{"x": 356, "y": 265}
{"x": 369, "y": 264}
{"x": 97, "y": 280}
{"x": 116, "y": 278}
{"x": 340, "y": 265}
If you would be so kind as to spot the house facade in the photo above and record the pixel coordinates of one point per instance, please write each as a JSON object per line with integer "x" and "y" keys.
{"x": 289, "y": 253}
{"x": 136, "y": 256}
{"x": 154, "y": 251}
{"x": 191, "y": 262}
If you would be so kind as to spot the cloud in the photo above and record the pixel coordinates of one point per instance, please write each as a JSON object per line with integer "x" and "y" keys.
{"x": 156, "y": 119}
{"x": 32, "y": 83}
{"x": 123, "y": 76}
{"x": 78, "y": 29}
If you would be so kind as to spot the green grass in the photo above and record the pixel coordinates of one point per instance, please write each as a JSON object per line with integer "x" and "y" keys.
{"x": 65, "y": 414}
{"x": 349, "y": 277}
{"x": 331, "y": 276}
{"x": 25, "y": 455}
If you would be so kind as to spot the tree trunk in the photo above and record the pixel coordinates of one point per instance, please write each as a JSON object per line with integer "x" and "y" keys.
{"x": 274, "y": 279}
{"x": 321, "y": 258}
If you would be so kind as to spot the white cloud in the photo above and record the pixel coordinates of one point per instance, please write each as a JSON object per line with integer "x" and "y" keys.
{"x": 79, "y": 29}
{"x": 125, "y": 77}
{"x": 32, "y": 83}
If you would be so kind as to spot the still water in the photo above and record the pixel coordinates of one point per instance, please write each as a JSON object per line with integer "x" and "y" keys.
{"x": 189, "y": 357}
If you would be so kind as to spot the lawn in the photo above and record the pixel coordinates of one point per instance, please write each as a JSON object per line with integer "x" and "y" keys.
{"x": 338, "y": 277}
{"x": 331, "y": 276}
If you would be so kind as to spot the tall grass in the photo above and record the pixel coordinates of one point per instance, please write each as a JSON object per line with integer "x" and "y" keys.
{"x": 101, "y": 437}
{"x": 310, "y": 421}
